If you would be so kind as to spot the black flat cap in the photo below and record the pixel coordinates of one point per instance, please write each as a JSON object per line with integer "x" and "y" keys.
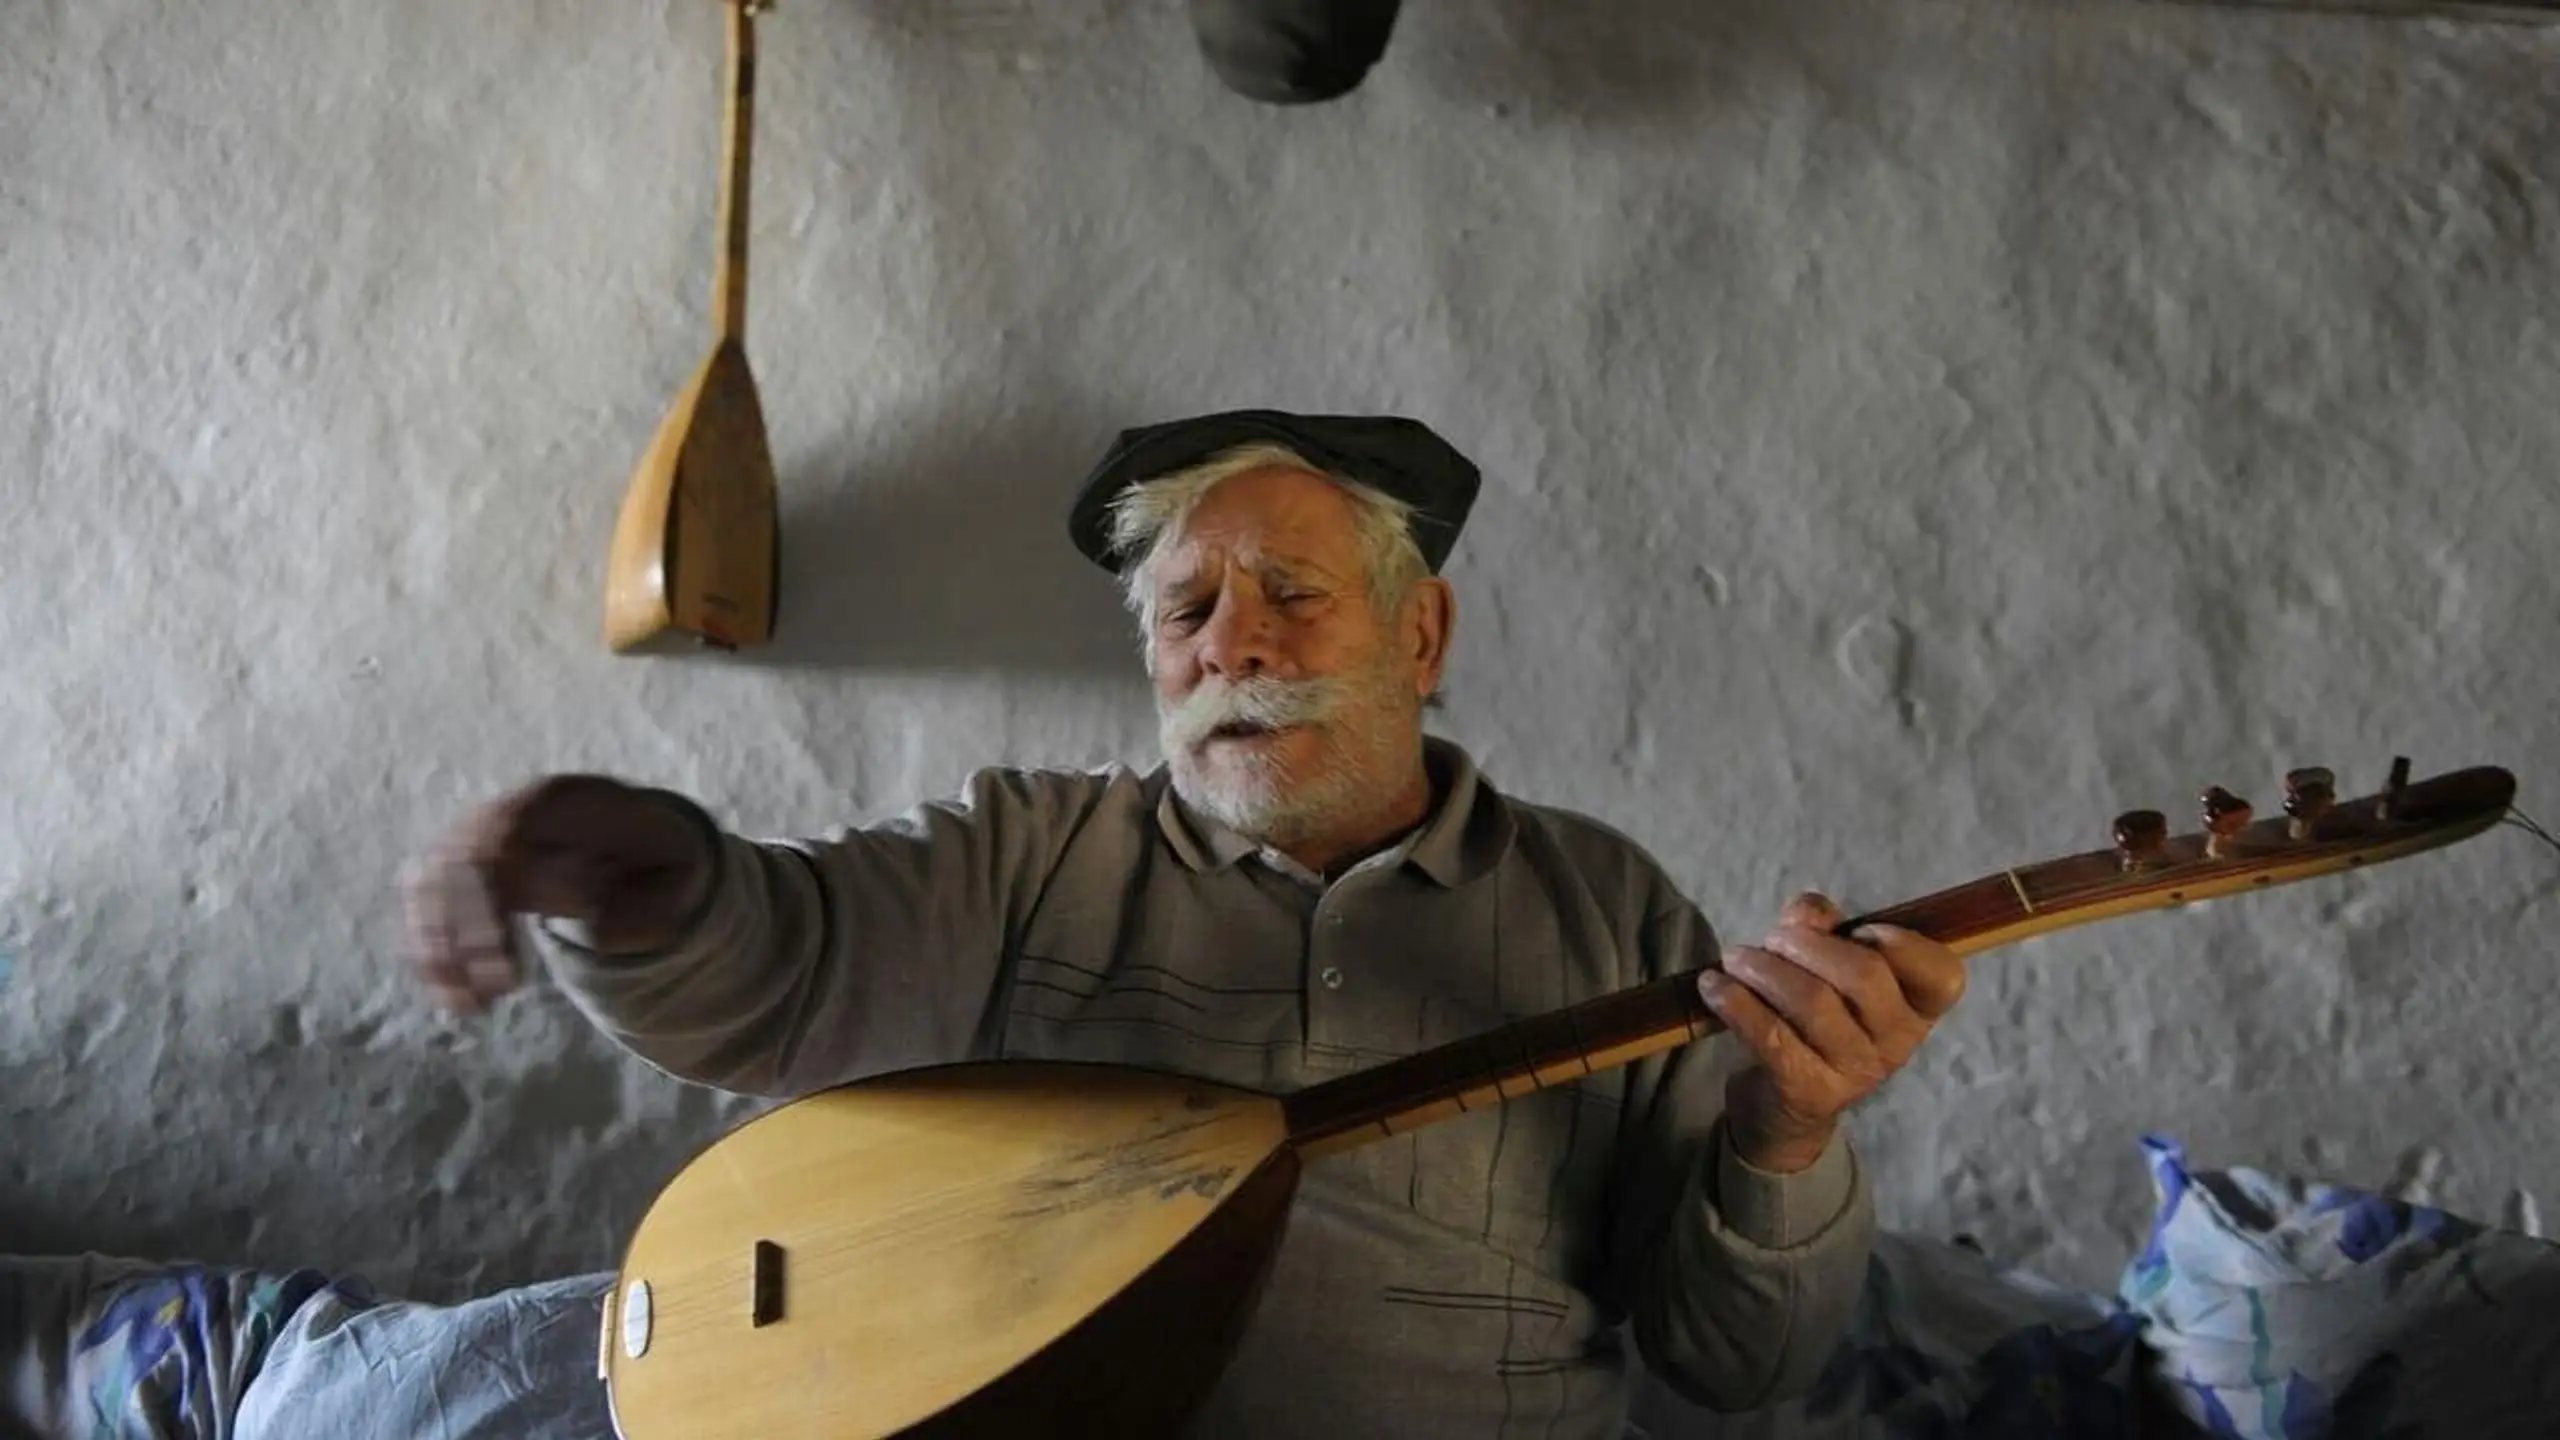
{"x": 1399, "y": 456}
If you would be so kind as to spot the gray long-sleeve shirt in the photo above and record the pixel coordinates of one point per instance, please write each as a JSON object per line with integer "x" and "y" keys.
{"x": 1466, "y": 1280}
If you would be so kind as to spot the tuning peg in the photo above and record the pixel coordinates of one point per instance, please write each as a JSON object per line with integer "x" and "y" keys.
{"x": 2392, "y": 788}
{"x": 2308, "y": 794}
{"x": 2139, "y": 836}
{"x": 2225, "y": 816}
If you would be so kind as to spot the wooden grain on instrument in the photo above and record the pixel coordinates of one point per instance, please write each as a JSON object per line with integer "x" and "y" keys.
{"x": 1147, "y": 1357}
{"x": 936, "y": 1229}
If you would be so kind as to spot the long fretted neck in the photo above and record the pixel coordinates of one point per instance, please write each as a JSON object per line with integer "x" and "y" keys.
{"x": 1565, "y": 1045}
{"x": 729, "y": 278}
{"x": 2148, "y": 870}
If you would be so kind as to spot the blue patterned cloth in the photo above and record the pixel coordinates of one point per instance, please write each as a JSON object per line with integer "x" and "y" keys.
{"x": 517, "y": 1365}
{"x": 2280, "y": 1309}
{"x": 2258, "y": 1308}
{"x": 97, "y": 1348}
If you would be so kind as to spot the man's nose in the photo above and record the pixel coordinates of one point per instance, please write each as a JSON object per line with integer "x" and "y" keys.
{"x": 1238, "y": 639}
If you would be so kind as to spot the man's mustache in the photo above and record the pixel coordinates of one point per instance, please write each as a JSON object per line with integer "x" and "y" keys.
{"x": 1260, "y": 702}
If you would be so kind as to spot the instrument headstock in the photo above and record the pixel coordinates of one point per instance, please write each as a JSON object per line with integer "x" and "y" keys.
{"x": 2232, "y": 848}
{"x": 2314, "y": 832}
{"x": 2440, "y": 809}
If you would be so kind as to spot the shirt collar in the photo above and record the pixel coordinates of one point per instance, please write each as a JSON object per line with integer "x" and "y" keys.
{"x": 1466, "y": 834}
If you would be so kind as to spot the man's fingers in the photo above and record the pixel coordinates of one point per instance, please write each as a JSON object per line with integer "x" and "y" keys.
{"x": 483, "y": 941}
{"x": 1889, "y": 974}
{"x": 1813, "y": 910}
{"x": 1830, "y": 1017}
{"x": 1758, "y": 1027}
{"x": 456, "y": 1000}
{"x": 1861, "y": 976}
{"x": 425, "y": 940}
{"x": 1931, "y": 976}
{"x": 456, "y": 941}
{"x": 566, "y": 845}
{"x": 1809, "y": 1006}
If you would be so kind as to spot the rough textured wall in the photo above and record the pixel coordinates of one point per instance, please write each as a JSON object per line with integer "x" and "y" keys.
{"x": 1914, "y": 433}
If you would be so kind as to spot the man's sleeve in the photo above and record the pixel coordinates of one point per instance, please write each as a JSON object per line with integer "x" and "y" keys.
{"x": 821, "y": 960}
{"x": 1739, "y": 1284}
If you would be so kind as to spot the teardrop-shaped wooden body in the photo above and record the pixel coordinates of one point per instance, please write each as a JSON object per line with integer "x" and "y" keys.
{"x": 696, "y": 549}
{"x": 1008, "y": 1249}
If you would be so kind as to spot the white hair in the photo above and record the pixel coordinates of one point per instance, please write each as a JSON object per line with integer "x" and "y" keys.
{"x": 1148, "y": 514}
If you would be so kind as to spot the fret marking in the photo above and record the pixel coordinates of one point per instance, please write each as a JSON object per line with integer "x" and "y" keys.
{"x": 1573, "y": 1031}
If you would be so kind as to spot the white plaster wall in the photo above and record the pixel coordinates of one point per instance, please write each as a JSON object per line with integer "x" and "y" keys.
{"x": 1914, "y": 432}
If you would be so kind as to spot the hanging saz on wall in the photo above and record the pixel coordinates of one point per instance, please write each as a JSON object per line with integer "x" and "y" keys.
{"x": 697, "y": 548}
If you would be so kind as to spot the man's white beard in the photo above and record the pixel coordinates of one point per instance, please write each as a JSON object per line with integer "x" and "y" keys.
{"x": 1259, "y": 795}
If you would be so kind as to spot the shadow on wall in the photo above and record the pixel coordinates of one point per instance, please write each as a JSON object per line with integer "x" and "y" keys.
{"x": 427, "y": 1171}
{"x": 1640, "y": 64}
{"x": 947, "y": 550}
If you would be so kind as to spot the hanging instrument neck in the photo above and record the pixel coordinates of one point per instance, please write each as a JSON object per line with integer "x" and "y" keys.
{"x": 729, "y": 285}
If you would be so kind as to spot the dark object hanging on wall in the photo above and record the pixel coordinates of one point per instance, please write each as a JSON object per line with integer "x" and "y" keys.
{"x": 1293, "y": 52}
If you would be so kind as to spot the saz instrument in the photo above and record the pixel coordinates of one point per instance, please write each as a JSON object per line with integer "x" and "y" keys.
{"x": 1027, "y": 1248}
{"x": 699, "y": 539}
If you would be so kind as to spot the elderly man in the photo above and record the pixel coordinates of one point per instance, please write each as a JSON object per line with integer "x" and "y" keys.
{"x": 1309, "y": 884}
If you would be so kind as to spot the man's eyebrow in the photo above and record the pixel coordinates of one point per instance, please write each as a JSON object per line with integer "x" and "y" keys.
{"x": 1265, "y": 568}
{"x": 1297, "y": 568}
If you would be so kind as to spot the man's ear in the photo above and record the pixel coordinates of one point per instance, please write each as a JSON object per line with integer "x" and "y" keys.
{"x": 1431, "y": 618}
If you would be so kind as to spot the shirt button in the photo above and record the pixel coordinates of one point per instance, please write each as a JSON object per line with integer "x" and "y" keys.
{"x": 1332, "y": 978}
